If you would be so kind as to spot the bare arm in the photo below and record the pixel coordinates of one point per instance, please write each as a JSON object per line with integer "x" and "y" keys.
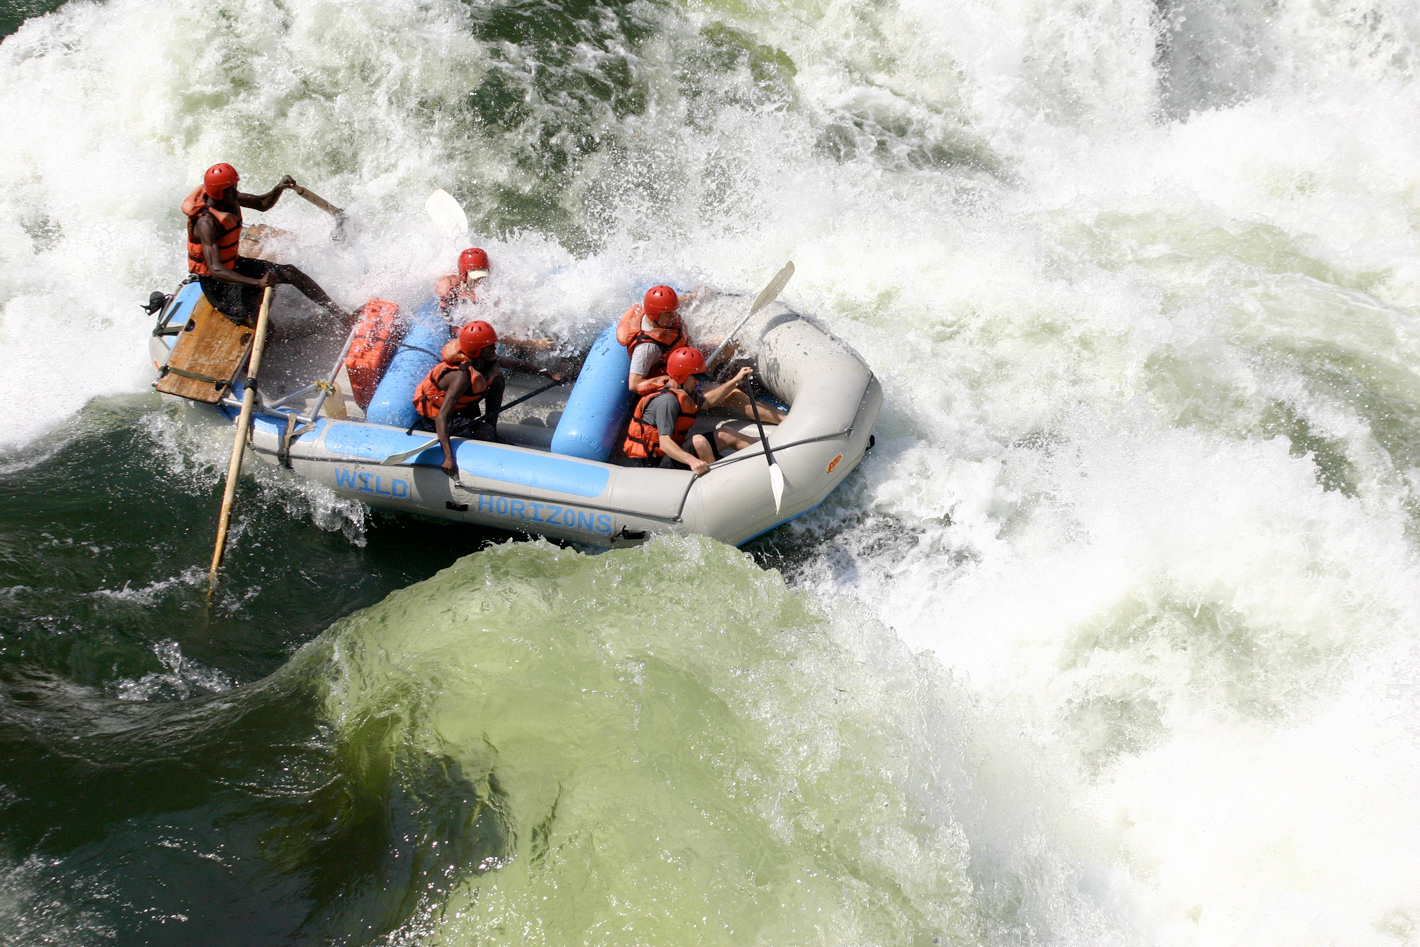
{"x": 268, "y": 200}
{"x": 527, "y": 345}
{"x": 717, "y": 395}
{"x": 457, "y": 385}
{"x": 505, "y": 361}
{"x": 673, "y": 450}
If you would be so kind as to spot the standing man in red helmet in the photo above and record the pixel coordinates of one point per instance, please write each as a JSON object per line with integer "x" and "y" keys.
{"x": 233, "y": 283}
{"x": 656, "y": 435}
{"x": 466, "y": 379}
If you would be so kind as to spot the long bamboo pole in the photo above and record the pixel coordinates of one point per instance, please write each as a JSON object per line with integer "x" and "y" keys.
{"x": 239, "y": 442}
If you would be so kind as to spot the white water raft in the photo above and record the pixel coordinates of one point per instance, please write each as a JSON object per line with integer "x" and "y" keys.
{"x": 556, "y": 471}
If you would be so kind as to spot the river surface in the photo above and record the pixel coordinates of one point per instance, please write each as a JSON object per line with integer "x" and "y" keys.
{"x": 1114, "y": 639}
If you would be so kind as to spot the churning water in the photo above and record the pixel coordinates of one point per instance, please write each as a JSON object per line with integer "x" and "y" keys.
{"x": 1113, "y": 639}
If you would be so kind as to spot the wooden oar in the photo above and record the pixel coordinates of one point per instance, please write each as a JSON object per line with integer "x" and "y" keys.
{"x": 765, "y": 297}
{"x": 338, "y": 234}
{"x": 239, "y": 442}
{"x": 447, "y": 212}
{"x": 776, "y": 476}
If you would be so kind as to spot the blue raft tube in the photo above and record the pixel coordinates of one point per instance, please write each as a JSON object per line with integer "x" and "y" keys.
{"x": 591, "y": 422}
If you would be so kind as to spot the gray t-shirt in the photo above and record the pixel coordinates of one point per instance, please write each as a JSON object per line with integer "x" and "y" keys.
{"x": 644, "y": 357}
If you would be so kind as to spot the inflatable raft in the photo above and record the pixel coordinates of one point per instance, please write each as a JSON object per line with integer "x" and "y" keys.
{"x": 557, "y": 470}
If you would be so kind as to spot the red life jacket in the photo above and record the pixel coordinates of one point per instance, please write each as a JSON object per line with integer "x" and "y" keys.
{"x": 229, "y": 232}
{"x": 643, "y": 439}
{"x": 377, "y": 337}
{"x": 631, "y": 332}
{"x": 429, "y": 397}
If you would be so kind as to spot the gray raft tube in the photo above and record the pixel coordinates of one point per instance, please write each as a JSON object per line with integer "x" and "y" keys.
{"x": 833, "y": 401}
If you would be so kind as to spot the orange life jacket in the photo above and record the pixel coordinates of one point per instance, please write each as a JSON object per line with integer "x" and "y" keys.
{"x": 643, "y": 439}
{"x": 377, "y": 336}
{"x": 229, "y": 232}
{"x": 631, "y": 332}
{"x": 429, "y": 397}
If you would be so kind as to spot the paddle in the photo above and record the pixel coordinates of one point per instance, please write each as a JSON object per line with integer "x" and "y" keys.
{"x": 338, "y": 234}
{"x": 445, "y": 211}
{"x": 239, "y": 442}
{"x": 394, "y": 460}
{"x": 776, "y": 476}
{"x": 517, "y": 401}
{"x": 765, "y": 297}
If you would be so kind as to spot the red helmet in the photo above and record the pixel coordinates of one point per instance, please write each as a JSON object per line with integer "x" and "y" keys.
{"x": 473, "y": 260}
{"x": 475, "y": 337}
{"x": 684, "y": 362}
{"x": 660, "y": 299}
{"x": 218, "y": 178}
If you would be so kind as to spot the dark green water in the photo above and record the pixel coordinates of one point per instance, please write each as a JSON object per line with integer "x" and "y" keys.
{"x": 1124, "y": 597}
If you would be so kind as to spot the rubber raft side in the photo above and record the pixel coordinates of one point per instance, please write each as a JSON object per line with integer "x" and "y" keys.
{"x": 834, "y": 401}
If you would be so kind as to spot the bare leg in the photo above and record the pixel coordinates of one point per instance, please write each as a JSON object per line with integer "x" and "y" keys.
{"x": 767, "y": 412}
{"x": 308, "y": 287}
{"x": 487, "y": 426}
{"x": 728, "y": 439}
{"x": 701, "y": 448}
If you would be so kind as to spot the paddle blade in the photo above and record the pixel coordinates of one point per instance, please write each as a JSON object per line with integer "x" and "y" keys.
{"x": 446, "y": 212}
{"x": 394, "y": 460}
{"x": 771, "y": 292}
{"x": 765, "y": 297}
{"x": 776, "y": 484}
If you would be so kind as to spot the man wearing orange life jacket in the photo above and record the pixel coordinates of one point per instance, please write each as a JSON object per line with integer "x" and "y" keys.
{"x": 453, "y": 290}
{"x": 657, "y": 432}
{"x": 233, "y": 283}
{"x": 653, "y": 331}
{"x": 448, "y": 399}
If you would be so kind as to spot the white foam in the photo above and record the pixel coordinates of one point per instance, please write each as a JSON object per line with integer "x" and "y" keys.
{"x": 1149, "y": 459}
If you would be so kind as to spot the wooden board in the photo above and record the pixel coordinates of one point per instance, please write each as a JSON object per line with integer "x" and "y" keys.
{"x": 210, "y": 350}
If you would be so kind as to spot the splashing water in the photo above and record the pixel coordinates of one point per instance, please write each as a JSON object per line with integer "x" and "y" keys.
{"x": 1111, "y": 640}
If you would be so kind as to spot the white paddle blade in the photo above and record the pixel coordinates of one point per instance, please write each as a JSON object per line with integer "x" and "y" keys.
{"x": 771, "y": 292}
{"x": 395, "y": 459}
{"x": 765, "y": 297}
{"x": 776, "y": 484}
{"x": 446, "y": 212}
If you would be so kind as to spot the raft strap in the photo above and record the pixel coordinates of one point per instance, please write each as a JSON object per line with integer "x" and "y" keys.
{"x": 169, "y": 370}
{"x": 283, "y": 453}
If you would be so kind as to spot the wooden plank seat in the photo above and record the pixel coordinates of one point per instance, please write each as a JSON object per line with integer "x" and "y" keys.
{"x": 209, "y": 353}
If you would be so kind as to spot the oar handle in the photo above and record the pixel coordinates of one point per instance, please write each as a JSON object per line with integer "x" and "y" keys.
{"x": 239, "y": 441}
{"x": 319, "y": 201}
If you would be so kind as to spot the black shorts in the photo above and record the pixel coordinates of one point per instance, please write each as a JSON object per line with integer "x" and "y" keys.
{"x": 238, "y": 302}
{"x": 468, "y": 427}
